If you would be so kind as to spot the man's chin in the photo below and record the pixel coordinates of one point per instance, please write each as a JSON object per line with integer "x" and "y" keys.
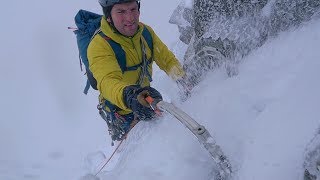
{"x": 131, "y": 32}
{"x": 128, "y": 33}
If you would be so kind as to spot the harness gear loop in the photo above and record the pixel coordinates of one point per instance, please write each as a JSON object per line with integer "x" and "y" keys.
{"x": 116, "y": 123}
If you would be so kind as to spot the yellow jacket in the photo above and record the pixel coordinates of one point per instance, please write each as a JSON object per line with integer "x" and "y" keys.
{"x": 106, "y": 70}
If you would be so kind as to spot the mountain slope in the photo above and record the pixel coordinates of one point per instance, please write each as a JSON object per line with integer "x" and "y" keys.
{"x": 263, "y": 118}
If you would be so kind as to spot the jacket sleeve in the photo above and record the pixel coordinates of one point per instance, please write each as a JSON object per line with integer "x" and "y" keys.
{"x": 106, "y": 70}
{"x": 165, "y": 59}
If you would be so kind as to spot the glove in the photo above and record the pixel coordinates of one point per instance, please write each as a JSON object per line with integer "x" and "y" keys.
{"x": 185, "y": 86}
{"x": 134, "y": 98}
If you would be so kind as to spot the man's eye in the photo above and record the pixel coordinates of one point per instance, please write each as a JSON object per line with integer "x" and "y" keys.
{"x": 134, "y": 10}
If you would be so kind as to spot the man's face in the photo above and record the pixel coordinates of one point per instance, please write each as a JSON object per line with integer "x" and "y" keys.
{"x": 125, "y": 17}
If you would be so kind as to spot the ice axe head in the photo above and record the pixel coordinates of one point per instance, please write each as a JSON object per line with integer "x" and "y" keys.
{"x": 153, "y": 104}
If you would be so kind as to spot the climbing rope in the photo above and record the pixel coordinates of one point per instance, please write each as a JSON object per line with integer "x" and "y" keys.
{"x": 125, "y": 137}
{"x": 106, "y": 162}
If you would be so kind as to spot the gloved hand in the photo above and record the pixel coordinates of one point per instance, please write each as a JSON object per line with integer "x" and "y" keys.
{"x": 134, "y": 98}
{"x": 185, "y": 86}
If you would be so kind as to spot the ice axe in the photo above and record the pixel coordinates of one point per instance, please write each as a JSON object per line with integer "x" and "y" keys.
{"x": 197, "y": 130}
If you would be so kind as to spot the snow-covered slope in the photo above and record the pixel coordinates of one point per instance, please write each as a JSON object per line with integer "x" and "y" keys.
{"x": 263, "y": 118}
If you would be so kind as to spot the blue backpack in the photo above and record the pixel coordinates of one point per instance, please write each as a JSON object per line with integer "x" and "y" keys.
{"x": 88, "y": 25}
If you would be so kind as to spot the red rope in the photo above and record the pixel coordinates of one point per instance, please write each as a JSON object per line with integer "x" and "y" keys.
{"x": 109, "y": 158}
{"x": 104, "y": 164}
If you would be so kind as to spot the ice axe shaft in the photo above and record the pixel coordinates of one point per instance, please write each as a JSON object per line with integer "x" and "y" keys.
{"x": 201, "y": 133}
{"x": 183, "y": 117}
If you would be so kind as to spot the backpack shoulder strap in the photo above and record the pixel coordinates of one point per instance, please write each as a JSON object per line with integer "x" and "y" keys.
{"x": 118, "y": 51}
{"x": 148, "y": 37}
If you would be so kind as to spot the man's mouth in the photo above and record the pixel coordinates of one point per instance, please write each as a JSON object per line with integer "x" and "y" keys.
{"x": 130, "y": 25}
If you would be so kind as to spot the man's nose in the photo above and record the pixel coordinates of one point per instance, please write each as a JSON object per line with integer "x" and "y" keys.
{"x": 129, "y": 16}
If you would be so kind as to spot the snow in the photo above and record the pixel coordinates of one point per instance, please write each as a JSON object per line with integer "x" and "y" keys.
{"x": 263, "y": 119}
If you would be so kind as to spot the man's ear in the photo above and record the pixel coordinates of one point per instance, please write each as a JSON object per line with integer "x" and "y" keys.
{"x": 109, "y": 19}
